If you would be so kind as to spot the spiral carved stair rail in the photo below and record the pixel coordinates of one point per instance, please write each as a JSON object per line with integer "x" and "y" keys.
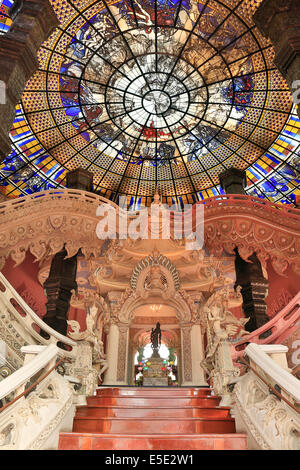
{"x": 33, "y": 415}
{"x": 282, "y": 326}
{"x": 266, "y": 400}
{"x": 23, "y": 316}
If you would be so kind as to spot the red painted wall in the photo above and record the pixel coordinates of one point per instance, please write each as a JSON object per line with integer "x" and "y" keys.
{"x": 24, "y": 278}
{"x": 281, "y": 289}
{"x": 78, "y": 315}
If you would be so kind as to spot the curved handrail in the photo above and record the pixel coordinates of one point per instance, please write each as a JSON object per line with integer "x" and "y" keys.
{"x": 295, "y": 369}
{"x": 278, "y": 394}
{"x": 22, "y": 375}
{"x": 245, "y": 200}
{"x": 281, "y": 326}
{"x": 89, "y": 197}
{"x": 266, "y": 399}
{"x": 281, "y": 377}
{"x": 212, "y": 202}
{"x": 8, "y": 294}
{"x": 38, "y": 401}
{"x": 32, "y": 386}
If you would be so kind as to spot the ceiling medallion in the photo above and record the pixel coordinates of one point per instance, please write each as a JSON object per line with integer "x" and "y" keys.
{"x": 144, "y": 94}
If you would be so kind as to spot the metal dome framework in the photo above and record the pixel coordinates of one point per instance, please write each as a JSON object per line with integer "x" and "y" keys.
{"x": 156, "y": 94}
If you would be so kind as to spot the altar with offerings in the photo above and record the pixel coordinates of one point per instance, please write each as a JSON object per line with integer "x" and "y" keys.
{"x": 156, "y": 373}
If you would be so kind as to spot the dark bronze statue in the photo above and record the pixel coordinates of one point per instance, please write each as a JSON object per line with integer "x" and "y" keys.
{"x": 156, "y": 339}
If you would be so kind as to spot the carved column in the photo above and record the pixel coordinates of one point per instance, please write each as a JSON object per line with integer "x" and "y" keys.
{"x": 254, "y": 289}
{"x": 191, "y": 355}
{"x": 179, "y": 366}
{"x": 59, "y": 287}
{"x": 197, "y": 355}
{"x": 18, "y": 58}
{"x": 186, "y": 354}
{"x": 111, "y": 354}
{"x": 279, "y": 20}
{"x": 123, "y": 354}
{"x": 117, "y": 354}
{"x": 131, "y": 367}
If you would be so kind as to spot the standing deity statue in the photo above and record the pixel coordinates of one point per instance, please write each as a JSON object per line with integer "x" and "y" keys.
{"x": 155, "y": 338}
{"x": 221, "y": 327}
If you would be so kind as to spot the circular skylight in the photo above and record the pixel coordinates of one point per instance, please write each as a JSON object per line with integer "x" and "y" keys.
{"x": 152, "y": 94}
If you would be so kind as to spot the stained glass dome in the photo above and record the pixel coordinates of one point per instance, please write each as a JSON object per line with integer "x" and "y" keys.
{"x": 156, "y": 93}
{"x": 5, "y": 19}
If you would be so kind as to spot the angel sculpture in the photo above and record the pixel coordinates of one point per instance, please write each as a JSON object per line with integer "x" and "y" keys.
{"x": 221, "y": 325}
{"x": 220, "y": 320}
{"x": 101, "y": 356}
{"x": 92, "y": 336}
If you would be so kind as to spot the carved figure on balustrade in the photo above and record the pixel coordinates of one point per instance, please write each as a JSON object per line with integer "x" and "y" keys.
{"x": 91, "y": 336}
{"x": 221, "y": 324}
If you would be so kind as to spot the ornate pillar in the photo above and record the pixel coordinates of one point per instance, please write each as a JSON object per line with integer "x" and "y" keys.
{"x": 117, "y": 354}
{"x": 279, "y": 20}
{"x": 59, "y": 286}
{"x": 197, "y": 355}
{"x": 179, "y": 365}
{"x": 254, "y": 289}
{"x": 191, "y": 355}
{"x": 123, "y": 354}
{"x": 18, "y": 58}
{"x": 131, "y": 367}
{"x": 186, "y": 355}
{"x": 112, "y": 341}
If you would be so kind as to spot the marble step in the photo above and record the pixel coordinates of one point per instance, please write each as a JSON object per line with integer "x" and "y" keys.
{"x": 90, "y": 441}
{"x": 153, "y": 419}
{"x": 154, "y": 425}
{"x": 154, "y": 391}
{"x": 150, "y": 401}
{"x": 103, "y": 411}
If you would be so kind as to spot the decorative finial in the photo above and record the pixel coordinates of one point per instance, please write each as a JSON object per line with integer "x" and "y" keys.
{"x": 155, "y": 253}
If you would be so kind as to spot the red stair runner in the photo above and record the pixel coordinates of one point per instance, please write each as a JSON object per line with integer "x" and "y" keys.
{"x": 153, "y": 419}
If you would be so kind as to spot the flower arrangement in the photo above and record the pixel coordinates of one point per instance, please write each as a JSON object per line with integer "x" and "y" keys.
{"x": 145, "y": 364}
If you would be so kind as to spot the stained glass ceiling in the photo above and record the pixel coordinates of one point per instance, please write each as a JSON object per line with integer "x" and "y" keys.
{"x": 156, "y": 93}
{"x": 5, "y": 19}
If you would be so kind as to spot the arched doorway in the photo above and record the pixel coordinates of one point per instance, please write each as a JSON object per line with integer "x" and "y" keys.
{"x": 145, "y": 318}
{"x": 154, "y": 282}
{"x": 142, "y": 362}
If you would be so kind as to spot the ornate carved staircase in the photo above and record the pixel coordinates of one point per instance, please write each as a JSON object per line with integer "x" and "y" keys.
{"x": 153, "y": 419}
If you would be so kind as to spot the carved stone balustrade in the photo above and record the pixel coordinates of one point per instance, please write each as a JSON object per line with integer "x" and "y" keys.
{"x": 33, "y": 422}
{"x": 270, "y": 422}
{"x": 51, "y": 219}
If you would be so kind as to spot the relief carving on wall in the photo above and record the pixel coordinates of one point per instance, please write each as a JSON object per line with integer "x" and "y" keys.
{"x": 39, "y": 226}
{"x": 122, "y": 353}
{"x": 187, "y": 353}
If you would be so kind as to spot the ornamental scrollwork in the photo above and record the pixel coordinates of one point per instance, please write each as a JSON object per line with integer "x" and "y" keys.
{"x": 44, "y": 224}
